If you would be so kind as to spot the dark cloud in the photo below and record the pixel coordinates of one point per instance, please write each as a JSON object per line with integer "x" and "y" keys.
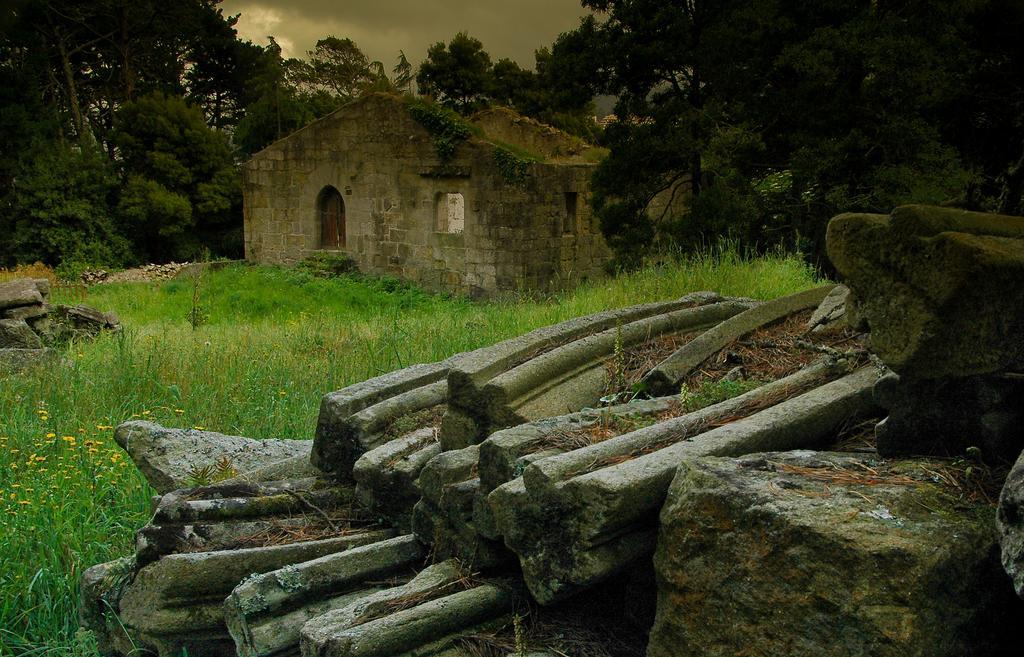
{"x": 507, "y": 28}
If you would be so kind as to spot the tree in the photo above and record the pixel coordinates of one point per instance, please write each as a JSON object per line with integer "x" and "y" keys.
{"x": 674, "y": 67}
{"x": 402, "y": 72}
{"x": 220, "y": 69}
{"x": 277, "y": 110}
{"x": 766, "y": 118}
{"x": 512, "y": 86}
{"x": 182, "y": 187}
{"x": 338, "y": 67}
{"x": 58, "y": 209}
{"x": 987, "y": 125}
{"x": 457, "y": 75}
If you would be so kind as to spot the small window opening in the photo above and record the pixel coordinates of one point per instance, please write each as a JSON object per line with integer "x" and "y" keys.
{"x": 569, "y": 225}
{"x": 451, "y": 213}
{"x": 331, "y": 208}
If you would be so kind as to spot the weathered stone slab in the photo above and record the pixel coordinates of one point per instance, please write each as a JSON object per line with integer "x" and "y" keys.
{"x": 444, "y": 517}
{"x": 448, "y": 468}
{"x": 805, "y": 553}
{"x": 543, "y": 476}
{"x": 177, "y": 601}
{"x": 17, "y": 334}
{"x": 225, "y": 516}
{"x": 449, "y": 526}
{"x": 666, "y": 378}
{"x": 426, "y": 629}
{"x": 336, "y": 446}
{"x": 467, "y": 420}
{"x": 830, "y": 315}
{"x": 945, "y": 417}
{"x": 938, "y": 287}
{"x": 265, "y": 614}
{"x": 292, "y": 467}
{"x": 26, "y": 313}
{"x": 101, "y": 589}
{"x": 342, "y": 441}
{"x": 319, "y": 635}
{"x": 572, "y": 376}
{"x": 352, "y": 419}
{"x": 575, "y": 536}
{"x": 84, "y": 319}
{"x": 386, "y": 477}
{"x": 1010, "y": 520}
{"x": 20, "y": 292}
{"x": 170, "y": 458}
{"x": 612, "y": 496}
{"x": 13, "y": 361}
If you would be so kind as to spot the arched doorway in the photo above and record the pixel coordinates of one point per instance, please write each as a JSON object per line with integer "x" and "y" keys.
{"x": 331, "y": 209}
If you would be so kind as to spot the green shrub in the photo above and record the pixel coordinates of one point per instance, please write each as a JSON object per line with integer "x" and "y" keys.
{"x": 329, "y": 265}
{"x": 709, "y": 392}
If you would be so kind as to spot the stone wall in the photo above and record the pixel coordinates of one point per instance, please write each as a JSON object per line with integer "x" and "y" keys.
{"x": 535, "y": 233}
{"x": 505, "y": 125}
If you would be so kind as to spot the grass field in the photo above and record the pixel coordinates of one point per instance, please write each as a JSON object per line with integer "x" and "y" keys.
{"x": 273, "y": 342}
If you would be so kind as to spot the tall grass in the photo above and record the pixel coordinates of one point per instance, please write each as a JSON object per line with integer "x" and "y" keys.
{"x": 275, "y": 342}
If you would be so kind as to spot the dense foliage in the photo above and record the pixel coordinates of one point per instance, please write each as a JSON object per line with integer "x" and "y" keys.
{"x": 124, "y": 122}
{"x": 460, "y": 76}
{"x": 117, "y": 115}
{"x": 761, "y": 118}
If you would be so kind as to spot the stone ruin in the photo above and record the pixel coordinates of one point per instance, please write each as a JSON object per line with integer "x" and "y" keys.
{"x": 489, "y": 504}
{"x": 30, "y": 325}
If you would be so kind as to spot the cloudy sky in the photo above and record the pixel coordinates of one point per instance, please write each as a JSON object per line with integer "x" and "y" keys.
{"x": 507, "y": 28}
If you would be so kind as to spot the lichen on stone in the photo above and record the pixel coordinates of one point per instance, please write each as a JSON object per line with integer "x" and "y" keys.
{"x": 289, "y": 578}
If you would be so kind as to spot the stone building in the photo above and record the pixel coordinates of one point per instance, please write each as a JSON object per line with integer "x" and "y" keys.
{"x": 368, "y": 181}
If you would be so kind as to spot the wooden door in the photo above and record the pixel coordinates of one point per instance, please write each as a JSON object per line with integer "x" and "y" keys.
{"x": 332, "y": 220}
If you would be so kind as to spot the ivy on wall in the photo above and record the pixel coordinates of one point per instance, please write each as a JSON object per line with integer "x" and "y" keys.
{"x": 513, "y": 166}
{"x": 447, "y": 128}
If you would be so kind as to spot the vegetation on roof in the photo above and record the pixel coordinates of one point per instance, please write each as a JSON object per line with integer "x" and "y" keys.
{"x": 446, "y": 127}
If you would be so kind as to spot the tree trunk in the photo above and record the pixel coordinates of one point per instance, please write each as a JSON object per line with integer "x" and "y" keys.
{"x": 696, "y": 171}
{"x": 127, "y": 76}
{"x": 1013, "y": 186}
{"x": 72, "y": 91}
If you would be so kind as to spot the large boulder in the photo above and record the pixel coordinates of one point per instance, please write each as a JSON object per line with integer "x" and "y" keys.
{"x": 23, "y": 292}
{"x": 949, "y": 416}
{"x": 79, "y": 320}
{"x": 938, "y": 287}
{"x": 177, "y": 458}
{"x": 1011, "y": 525}
{"x": 17, "y": 334}
{"x": 806, "y": 553}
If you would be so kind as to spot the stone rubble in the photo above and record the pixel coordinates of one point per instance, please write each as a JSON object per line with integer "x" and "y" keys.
{"x": 176, "y": 458}
{"x": 30, "y": 326}
{"x": 441, "y": 503}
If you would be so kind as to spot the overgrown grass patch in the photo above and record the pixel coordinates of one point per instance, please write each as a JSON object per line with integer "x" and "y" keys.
{"x": 275, "y": 341}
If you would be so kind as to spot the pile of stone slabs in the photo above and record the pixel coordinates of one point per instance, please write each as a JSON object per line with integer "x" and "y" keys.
{"x": 200, "y": 544}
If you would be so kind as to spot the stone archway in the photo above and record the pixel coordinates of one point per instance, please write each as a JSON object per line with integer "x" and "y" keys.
{"x": 331, "y": 208}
